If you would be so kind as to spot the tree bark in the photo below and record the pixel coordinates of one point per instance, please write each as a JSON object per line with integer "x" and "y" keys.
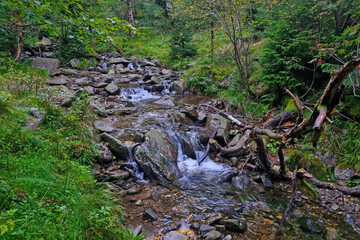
{"x": 212, "y": 39}
{"x": 130, "y": 14}
{"x": 19, "y": 33}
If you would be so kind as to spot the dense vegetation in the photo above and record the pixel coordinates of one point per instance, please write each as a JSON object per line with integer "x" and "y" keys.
{"x": 246, "y": 52}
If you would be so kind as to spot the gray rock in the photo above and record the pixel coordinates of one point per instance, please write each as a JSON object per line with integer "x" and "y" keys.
{"x": 133, "y": 135}
{"x": 202, "y": 117}
{"x": 228, "y": 237}
{"x": 147, "y": 63}
{"x": 213, "y": 235}
{"x": 67, "y": 102}
{"x": 166, "y": 101}
{"x": 68, "y": 72}
{"x": 165, "y": 72}
{"x": 221, "y": 124}
{"x": 117, "y": 60}
{"x": 242, "y": 182}
{"x": 137, "y": 231}
{"x": 158, "y": 156}
{"x": 115, "y": 146}
{"x": 50, "y": 64}
{"x": 343, "y": 173}
{"x": 155, "y": 80}
{"x": 149, "y": 214}
{"x": 134, "y": 77}
{"x": 112, "y": 89}
{"x": 35, "y": 112}
{"x": 178, "y": 86}
{"x": 214, "y": 218}
{"x": 84, "y": 81}
{"x": 74, "y": 62}
{"x": 125, "y": 111}
{"x": 235, "y": 225}
{"x": 186, "y": 147}
{"x": 111, "y": 72}
{"x": 104, "y": 127}
{"x": 118, "y": 174}
{"x": 58, "y": 81}
{"x": 45, "y": 41}
{"x": 173, "y": 235}
{"x": 204, "y": 228}
{"x": 48, "y": 54}
{"x": 100, "y": 85}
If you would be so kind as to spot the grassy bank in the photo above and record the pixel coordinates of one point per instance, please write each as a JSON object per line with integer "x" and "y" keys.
{"x": 47, "y": 190}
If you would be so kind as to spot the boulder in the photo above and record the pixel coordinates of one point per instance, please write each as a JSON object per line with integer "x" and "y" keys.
{"x": 118, "y": 174}
{"x": 104, "y": 127}
{"x": 50, "y": 64}
{"x": 145, "y": 63}
{"x": 234, "y": 225}
{"x": 58, "y": 81}
{"x": 343, "y": 173}
{"x": 178, "y": 86}
{"x": 45, "y": 41}
{"x": 158, "y": 157}
{"x": 74, "y": 62}
{"x": 115, "y": 146}
{"x": 186, "y": 147}
{"x": 48, "y": 55}
{"x": 134, "y": 77}
{"x": 220, "y": 124}
{"x": 155, "y": 80}
{"x": 112, "y": 89}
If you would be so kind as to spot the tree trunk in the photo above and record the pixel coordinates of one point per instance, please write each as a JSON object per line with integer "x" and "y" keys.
{"x": 19, "y": 34}
{"x": 130, "y": 14}
{"x": 212, "y": 39}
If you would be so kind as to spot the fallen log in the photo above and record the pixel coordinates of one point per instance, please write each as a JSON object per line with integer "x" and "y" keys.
{"x": 235, "y": 151}
{"x": 207, "y": 148}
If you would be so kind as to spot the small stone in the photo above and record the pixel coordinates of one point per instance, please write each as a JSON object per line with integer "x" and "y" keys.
{"x": 178, "y": 86}
{"x": 173, "y": 235}
{"x": 192, "y": 200}
{"x": 343, "y": 173}
{"x": 213, "y": 235}
{"x": 112, "y": 89}
{"x": 166, "y": 101}
{"x": 149, "y": 214}
{"x": 74, "y": 62}
{"x": 58, "y": 81}
{"x": 138, "y": 203}
{"x": 220, "y": 228}
{"x": 134, "y": 190}
{"x": 67, "y": 102}
{"x": 137, "y": 230}
{"x": 68, "y": 72}
{"x": 48, "y": 54}
{"x": 214, "y": 218}
{"x": 45, "y": 41}
{"x": 100, "y": 85}
{"x": 141, "y": 196}
{"x": 263, "y": 207}
{"x": 204, "y": 228}
{"x": 118, "y": 60}
{"x": 228, "y": 237}
{"x": 35, "y": 112}
{"x": 334, "y": 207}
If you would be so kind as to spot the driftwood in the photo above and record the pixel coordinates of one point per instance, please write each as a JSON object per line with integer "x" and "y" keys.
{"x": 291, "y": 203}
{"x": 225, "y": 114}
{"x": 207, "y": 148}
{"x": 279, "y": 119}
{"x": 237, "y": 150}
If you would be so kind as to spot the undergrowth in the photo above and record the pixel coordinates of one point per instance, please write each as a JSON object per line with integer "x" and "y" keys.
{"x": 47, "y": 190}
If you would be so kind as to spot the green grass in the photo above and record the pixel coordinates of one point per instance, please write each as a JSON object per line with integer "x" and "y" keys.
{"x": 47, "y": 190}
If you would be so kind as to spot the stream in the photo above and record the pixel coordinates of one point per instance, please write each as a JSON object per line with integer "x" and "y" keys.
{"x": 143, "y": 106}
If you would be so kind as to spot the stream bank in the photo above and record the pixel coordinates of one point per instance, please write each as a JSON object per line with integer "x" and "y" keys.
{"x": 150, "y": 134}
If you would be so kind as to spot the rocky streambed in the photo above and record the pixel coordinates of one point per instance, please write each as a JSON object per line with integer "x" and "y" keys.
{"x": 150, "y": 135}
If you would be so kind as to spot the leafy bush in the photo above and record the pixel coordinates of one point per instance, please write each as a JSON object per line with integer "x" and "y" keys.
{"x": 181, "y": 41}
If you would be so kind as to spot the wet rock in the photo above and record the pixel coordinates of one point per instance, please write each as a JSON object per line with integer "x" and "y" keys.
{"x": 195, "y": 225}
{"x": 214, "y": 218}
{"x": 104, "y": 127}
{"x": 137, "y": 231}
{"x": 165, "y": 101}
{"x": 204, "y": 228}
{"x": 186, "y": 147}
{"x": 312, "y": 225}
{"x": 50, "y": 64}
{"x": 178, "y": 86}
{"x": 35, "y": 112}
{"x": 115, "y": 146}
{"x": 213, "y": 235}
{"x": 58, "y": 81}
{"x": 202, "y": 117}
{"x": 221, "y": 124}
{"x": 173, "y": 235}
{"x": 158, "y": 156}
{"x": 158, "y": 88}
{"x": 118, "y": 174}
{"x": 343, "y": 173}
{"x": 98, "y": 108}
{"x": 116, "y": 60}
{"x": 242, "y": 181}
{"x": 112, "y": 89}
{"x": 235, "y": 225}
{"x": 149, "y": 214}
{"x": 74, "y": 62}
{"x": 155, "y": 80}
{"x": 131, "y": 135}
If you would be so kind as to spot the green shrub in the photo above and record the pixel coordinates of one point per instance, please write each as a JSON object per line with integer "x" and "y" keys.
{"x": 181, "y": 42}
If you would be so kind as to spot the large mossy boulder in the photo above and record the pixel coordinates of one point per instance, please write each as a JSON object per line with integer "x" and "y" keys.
{"x": 221, "y": 125}
{"x": 158, "y": 157}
